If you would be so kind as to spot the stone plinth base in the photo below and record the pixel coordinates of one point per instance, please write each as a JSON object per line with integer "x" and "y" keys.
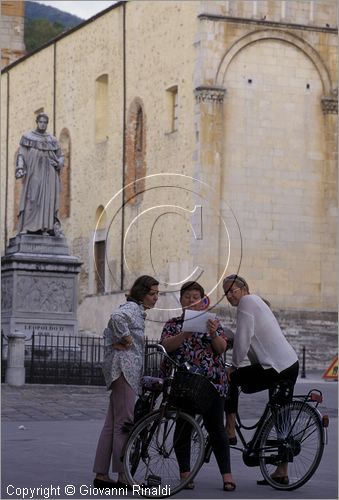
{"x": 39, "y": 286}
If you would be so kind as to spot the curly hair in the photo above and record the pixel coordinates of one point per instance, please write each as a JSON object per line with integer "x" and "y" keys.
{"x": 141, "y": 287}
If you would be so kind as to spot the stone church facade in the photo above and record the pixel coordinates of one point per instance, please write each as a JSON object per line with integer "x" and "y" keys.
{"x": 12, "y": 31}
{"x": 200, "y": 140}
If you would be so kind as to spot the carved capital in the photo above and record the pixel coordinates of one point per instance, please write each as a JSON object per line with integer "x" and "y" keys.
{"x": 209, "y": 94}
{"x": 329, "y": 103}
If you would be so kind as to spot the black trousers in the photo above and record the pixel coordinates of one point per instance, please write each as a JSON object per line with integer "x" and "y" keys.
{"x": 214, "y": 423}
{"x": 254, "y": 378}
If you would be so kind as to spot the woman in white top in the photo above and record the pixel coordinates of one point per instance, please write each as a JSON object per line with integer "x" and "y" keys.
{"x": 258, "y": 336}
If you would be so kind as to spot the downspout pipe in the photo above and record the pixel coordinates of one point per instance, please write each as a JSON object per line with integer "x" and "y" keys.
{"x": 122, "y": 270}
{"x": 7, "y": 165}
{"x": 54, "y": 87}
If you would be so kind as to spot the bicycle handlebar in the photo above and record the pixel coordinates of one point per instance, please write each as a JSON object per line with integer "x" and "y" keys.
{"x": 163, "y": 351}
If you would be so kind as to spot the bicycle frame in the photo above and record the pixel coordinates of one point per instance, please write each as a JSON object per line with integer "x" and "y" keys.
{"x": 250, "y": 448}
{"x": 282, "y": 435}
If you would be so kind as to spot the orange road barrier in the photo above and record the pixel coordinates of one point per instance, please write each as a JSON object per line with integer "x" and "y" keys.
{"x": 332, "y": 371}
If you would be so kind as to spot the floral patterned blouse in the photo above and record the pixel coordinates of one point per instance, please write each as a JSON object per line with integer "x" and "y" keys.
{"x": 198, "y": 352}
{"x": 128, "y": 319}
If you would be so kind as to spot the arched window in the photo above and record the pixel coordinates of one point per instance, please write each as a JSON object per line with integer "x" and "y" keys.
{"x": 172, "y": 108}
{"x": 101, "y": 108}
{"x": 136, "y": 152}
{"x": 100, "y": 218}
{"x": 100, "y": 250}
{"x": 65, "y": 176}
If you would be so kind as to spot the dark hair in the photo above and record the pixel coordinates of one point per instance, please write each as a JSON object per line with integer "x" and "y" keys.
{"x": 192, "y": 285}
{"x": 234, "y": 278}
{"x": 41, "y": 115}
{"x": 141, "y": 287}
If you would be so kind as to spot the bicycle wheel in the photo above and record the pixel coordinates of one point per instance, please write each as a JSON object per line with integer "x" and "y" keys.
{"x": 150, "y": 462}
{"x": 293, "y": 434}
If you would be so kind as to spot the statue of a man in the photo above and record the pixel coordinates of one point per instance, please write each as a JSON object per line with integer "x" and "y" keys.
{"x": 39, "y": 161}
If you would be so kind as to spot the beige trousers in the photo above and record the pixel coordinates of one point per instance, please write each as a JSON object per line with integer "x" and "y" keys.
{"x": 112, "y": 437}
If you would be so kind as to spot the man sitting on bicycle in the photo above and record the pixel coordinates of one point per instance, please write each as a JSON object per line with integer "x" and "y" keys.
{"x": 258, "y": 336}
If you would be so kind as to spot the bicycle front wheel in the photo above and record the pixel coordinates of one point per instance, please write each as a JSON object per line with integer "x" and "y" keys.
{"x": 150, "y": 458}
{"x": 292, "y": 436}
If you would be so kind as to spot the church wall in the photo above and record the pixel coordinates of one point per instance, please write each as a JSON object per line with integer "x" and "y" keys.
{"x": 168, "y": 46}
{"x": 284, "y": 205}
{"x": 155, "y": 64}
{"x": 273, "y": 170}
{"x": 12, "y": 31}
{"x": 3, "y": 154}
{"x": 91, "y": 52}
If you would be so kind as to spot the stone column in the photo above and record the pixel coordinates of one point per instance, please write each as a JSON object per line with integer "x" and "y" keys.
{"x": 208, "y": 168}
{"x": 330, "y": 109}
{"x": 15, "y": 371}
{"x": 330, "y": 255}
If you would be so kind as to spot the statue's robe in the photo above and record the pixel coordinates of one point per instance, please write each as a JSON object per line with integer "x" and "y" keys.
{"x": 40, "y": 197}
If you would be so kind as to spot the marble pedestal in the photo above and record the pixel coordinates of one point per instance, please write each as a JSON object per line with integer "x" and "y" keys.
{"x": 39, "y": 286}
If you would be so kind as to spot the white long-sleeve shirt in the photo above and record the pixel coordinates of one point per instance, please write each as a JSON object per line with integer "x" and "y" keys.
{"x": 258, "y": 336}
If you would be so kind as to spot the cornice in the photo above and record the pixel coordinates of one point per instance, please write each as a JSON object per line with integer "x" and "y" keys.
{"x": 329, "y": 103}
{"x": 209, "y": 94}
{"x": 269, "y": 24}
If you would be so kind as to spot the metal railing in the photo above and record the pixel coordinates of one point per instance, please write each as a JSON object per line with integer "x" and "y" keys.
{"x": 63, "y": 359}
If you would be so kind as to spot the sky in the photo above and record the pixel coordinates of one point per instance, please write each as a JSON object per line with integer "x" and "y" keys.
{"x": 80, "y": 8}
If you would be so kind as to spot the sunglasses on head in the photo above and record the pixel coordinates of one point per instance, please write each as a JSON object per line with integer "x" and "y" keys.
{"x": 234, "y": 278}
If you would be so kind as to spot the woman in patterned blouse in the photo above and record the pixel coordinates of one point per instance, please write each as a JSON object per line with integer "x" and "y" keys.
{"x": 122, "y": 369}
{"x": 202, "y": 350}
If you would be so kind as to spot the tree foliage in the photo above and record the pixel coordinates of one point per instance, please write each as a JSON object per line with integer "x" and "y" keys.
{"x": 43, "y": 23}
{"x": 34, "y": 10}
{"x": 40, "y": 31}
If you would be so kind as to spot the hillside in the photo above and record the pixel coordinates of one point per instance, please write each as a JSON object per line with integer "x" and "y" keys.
{"x": 43, "y": 23}
{"x": 35, "y": 10}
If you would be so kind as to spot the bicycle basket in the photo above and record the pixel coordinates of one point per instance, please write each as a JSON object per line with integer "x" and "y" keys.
{"x": 192, "y": 392}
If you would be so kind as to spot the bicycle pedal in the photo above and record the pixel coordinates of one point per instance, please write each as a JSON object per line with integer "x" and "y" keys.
{"x": 153, "y": 480}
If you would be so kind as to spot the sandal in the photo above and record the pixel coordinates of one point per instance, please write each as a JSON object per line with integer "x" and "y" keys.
{"x": 104, "y": 483}
{"x": 189, "y": 486}
{"x": 277, "y": 479}
{"x": 229, "y": 486}
{"x": 120, "y": 484}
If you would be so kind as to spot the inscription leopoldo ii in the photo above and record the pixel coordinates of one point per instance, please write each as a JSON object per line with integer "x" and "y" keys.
{"x": 43, "y": 329}
{"x": 29, "y": 246}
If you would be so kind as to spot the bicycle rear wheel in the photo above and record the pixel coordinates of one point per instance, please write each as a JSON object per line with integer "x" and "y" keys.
{"x": 293, "y": 434}
{"x": 150, "y": 461}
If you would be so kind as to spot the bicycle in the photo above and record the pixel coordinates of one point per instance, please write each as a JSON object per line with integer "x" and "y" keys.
{"x": 289, "y": 431}
{"x": 149, "y": 456}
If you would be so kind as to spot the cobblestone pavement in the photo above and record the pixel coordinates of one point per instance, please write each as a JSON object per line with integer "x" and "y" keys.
{"x": 50, "y": 433}
{"x": 53, "y": 402}
{"x": 69, "y": 402}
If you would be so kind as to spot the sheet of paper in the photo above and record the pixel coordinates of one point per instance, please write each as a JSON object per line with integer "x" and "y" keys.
{"x": 196, "y": 321}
